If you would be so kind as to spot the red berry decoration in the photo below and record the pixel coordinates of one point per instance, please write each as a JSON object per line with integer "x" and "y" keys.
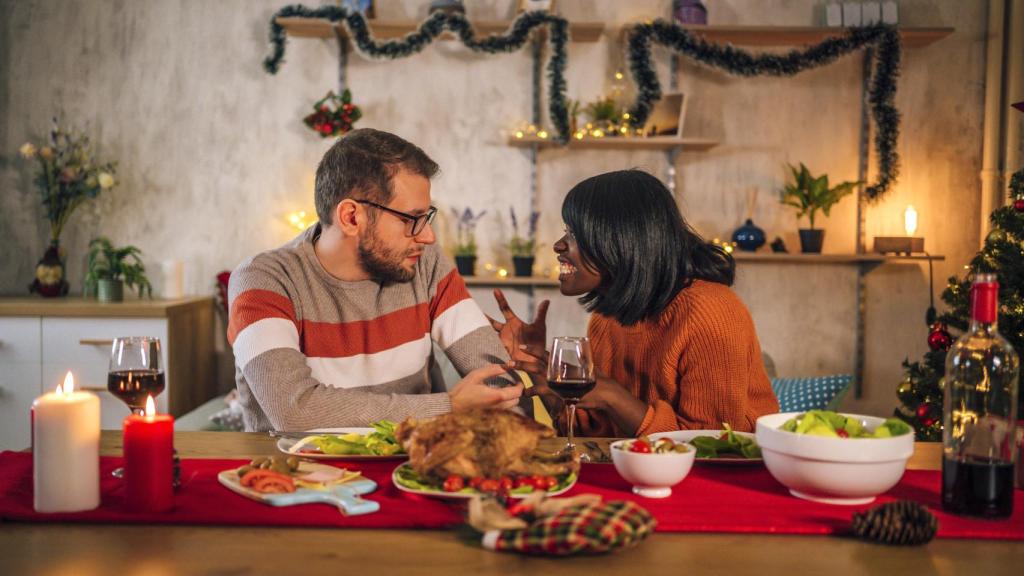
{"x": 1018, "y": 204}
{"x": 333, "y": 115}
{"x": 939, "y": 338}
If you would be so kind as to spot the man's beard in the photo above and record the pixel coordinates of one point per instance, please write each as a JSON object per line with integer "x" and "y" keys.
{"x": 381, "y": 263}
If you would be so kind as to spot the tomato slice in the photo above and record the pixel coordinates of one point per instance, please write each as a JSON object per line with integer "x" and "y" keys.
{"x": 274, "y": 485}
{"x": 252, "y": 476}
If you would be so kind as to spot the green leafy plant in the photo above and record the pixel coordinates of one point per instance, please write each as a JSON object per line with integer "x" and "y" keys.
{"x": 809, "y": 194}
{"x": 109, "y": 263}
{"x": 67, "y": 174}
{"x": 603, "y": 110}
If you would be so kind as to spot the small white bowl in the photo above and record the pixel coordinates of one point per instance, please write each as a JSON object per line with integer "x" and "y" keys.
{"x": 652, "y": 475}
{"x": 833, "y": 470}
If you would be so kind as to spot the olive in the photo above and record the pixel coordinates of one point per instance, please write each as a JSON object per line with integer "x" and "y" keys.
{"x": 293, "y": 462}
{"x": 260, "y": 462}
{"x": 280, "y": 467}
{"x": 244, "y": 470}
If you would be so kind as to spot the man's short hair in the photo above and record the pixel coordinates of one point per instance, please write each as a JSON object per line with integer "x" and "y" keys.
{"x": 361, "y": 165}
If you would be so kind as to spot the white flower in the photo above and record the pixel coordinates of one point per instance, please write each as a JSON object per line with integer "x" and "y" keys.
{"x": 105, "y": 180}
{"x": 27, "y": 150}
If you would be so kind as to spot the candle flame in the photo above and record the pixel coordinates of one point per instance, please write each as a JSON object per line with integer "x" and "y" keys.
{"x": 150, "y": 406}
{"x": 69, "y": 384}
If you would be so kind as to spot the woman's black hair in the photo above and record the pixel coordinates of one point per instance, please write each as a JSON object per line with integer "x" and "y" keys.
{"x": 627, "y": 226}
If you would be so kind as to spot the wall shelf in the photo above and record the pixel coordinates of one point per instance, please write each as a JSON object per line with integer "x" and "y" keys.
{"x": 803, "y": 35}
{"x": 389, "y": 29}
{"x": 798, "y": 258}
{"x": 621, "y": 143}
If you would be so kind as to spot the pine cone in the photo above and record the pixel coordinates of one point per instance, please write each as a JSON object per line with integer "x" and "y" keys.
{"x": 903, "y": 522}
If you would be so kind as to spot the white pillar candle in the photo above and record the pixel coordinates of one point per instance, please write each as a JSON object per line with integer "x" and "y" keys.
{"x": 66, "y": 450}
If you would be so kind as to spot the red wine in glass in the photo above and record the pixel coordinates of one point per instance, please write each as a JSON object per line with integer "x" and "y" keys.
{"x": 571, "y": 375}
{"x": 133, "y": 386}
{"x": 572, "y": 390}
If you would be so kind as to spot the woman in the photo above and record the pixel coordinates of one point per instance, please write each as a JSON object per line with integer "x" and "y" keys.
{"x": 674, "y": 347}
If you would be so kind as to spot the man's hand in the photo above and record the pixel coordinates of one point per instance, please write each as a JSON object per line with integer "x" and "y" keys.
{"x": 473, "y": 392}
{"x": 514, "y": 333}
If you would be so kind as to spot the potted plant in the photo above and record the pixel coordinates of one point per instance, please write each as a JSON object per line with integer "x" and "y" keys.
{"x": 67, "y": 175}
{"x": 809, "y": 194}
{"x": 465, "y": 243}
{"x": 522, "y": 248}
{"x": 109, "y": 269}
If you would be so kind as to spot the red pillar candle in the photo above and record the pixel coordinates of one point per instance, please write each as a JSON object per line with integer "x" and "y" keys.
{"x": 148, "y": 461}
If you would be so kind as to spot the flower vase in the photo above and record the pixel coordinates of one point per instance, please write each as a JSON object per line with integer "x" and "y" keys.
{"x": 466, "y": 265}
{"x": 49, "y": 281}
{"x": 523, "y": 265}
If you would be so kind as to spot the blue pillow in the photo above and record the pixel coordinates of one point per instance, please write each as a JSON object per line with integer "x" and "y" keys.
{"x": 818, "y": 393}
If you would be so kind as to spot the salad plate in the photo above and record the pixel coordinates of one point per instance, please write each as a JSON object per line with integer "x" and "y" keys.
{"x": 345, "y": 444}
{"x": 728, "y": 452}
{"x": 406, "y": 480}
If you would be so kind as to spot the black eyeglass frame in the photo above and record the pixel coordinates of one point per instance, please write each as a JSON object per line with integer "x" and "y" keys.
{"x": 419, "y": 221}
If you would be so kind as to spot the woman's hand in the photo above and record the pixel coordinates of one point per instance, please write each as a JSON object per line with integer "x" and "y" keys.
{"x": 514, "y": 333}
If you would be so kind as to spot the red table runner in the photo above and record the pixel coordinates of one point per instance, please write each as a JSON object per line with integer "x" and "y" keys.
{"x": 710, "y": 499}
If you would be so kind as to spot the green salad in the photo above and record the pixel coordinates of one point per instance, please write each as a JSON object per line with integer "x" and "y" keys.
{"x": 380, "y": 442}
{"x": 833, "y": 425}
{"x": 727, "y": 445}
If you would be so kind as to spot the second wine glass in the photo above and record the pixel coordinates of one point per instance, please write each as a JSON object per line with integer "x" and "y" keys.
{"x": 135, "y": 371}
{"x": 571, "y": 375}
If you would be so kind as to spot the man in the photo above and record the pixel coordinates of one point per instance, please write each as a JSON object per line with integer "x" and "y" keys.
{"x": 336, "y": 327}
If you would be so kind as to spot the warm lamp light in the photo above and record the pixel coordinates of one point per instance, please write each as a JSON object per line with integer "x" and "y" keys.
{"x": 910, "y": 220}
{"x": 299, "y": 220}
{"x": 906, "y": 245}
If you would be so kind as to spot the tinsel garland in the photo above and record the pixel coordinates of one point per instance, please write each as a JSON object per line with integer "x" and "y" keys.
{"x": 514, "y": 39}
{"x": 885, "y": 40}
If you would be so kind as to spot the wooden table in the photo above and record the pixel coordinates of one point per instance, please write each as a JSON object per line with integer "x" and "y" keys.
{"x": 164, "y": 550}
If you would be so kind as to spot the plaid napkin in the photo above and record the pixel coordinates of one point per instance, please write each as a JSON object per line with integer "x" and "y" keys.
{"x": 581, "y": 529}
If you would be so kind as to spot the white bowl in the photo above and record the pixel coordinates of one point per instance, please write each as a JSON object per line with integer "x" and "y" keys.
{"x": 652, "y": 475}
{"x": 833, "y": 470}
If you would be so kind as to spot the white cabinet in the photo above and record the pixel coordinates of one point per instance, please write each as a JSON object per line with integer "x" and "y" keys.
{"x": 20, "y": 380}
{"x": 41, "y": 340}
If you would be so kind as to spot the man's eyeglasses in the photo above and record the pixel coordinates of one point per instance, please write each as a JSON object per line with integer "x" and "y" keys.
{"x": 418, "y": 221}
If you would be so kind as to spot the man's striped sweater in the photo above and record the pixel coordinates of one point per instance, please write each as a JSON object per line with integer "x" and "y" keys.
{"x": 313, "y": 351}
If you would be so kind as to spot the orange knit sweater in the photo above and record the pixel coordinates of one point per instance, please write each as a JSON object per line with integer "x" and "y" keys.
{"x": 697, "y": 365}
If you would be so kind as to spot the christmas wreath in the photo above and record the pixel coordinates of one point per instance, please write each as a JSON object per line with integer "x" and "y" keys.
{"x": 333, "y": 115}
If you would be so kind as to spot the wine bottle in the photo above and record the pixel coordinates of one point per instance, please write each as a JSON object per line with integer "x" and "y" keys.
{"x": 979, "y": 413}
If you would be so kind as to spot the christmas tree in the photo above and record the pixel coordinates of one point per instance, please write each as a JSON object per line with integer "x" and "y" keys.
{"x": 921, "y": 390}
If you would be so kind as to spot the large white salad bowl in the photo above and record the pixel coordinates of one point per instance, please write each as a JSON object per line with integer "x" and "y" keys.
{"x": 833, "y": 470}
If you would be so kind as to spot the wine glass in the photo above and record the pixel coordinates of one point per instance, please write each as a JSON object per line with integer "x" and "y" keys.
{"x": 571, "y": 375}
{"x": 134, "y": 374}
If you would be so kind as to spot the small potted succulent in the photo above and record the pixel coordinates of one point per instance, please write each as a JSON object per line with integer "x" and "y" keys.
{"x": 109, "y": 269}
{"x": 522, "y": 248}
{"x": 809, "y": 194}
{"x": 465, "y": 243}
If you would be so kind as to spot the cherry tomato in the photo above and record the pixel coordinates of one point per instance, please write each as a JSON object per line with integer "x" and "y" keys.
{"x": 475, "y": 481}
{"x": 490, "y": 486}
{"x": 505, "y": 484}
{"x": 454, "y": 483}
{"x": 550, "y": 482}
{"x": 523, "y": 481}
{"x": 842, "y": 433}
{"x": 538, "y": 482}
{"x": 641, "y": 447}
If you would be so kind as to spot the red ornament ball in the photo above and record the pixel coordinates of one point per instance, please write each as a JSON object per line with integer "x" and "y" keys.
{"x": 939, "y": 338}
{"x": 1018, "y": 204}
{"x": 929, "y": 422}
{"x": 923, "y": 411}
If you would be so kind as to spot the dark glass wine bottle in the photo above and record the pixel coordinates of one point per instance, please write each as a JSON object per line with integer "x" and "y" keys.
{"x": 980, "y": 413}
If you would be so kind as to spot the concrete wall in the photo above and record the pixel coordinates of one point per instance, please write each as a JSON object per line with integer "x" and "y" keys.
{"x": 212, "y": 153}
